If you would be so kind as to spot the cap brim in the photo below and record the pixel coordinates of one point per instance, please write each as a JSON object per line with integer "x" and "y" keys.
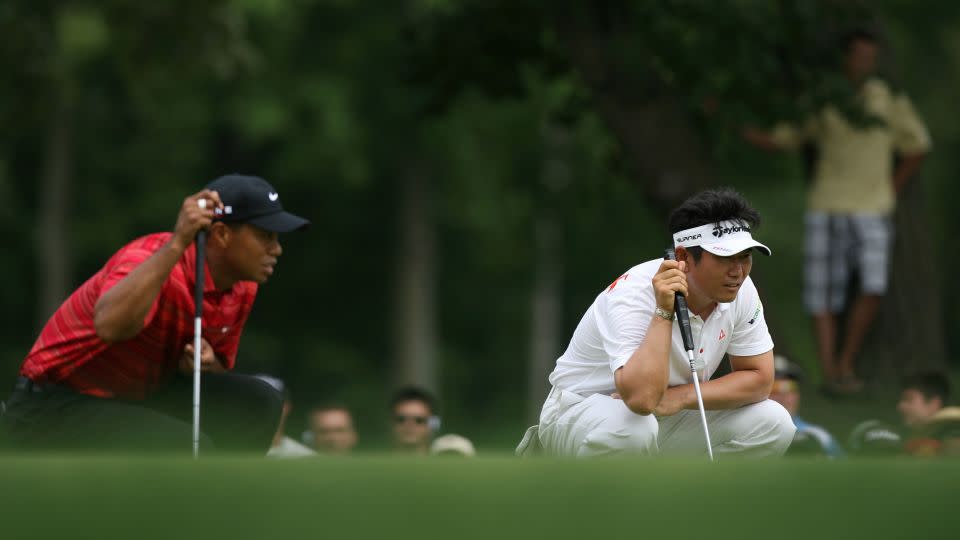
{"x": 280, "y": 222}
{"x": 726, "y": 249}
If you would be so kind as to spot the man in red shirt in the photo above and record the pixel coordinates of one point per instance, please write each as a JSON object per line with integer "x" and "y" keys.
{"x": 111, "y": 367}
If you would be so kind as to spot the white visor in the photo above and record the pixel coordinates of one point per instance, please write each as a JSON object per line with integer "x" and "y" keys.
{"x": 724, "y": 238}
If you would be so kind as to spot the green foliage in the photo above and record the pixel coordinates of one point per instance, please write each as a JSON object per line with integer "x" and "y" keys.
{"x": 335, "y": 101}
{"x": 81, "y": 34}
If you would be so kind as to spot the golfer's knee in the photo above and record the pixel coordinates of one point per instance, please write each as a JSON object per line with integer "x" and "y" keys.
{"x": 643, "y": 431}
{"x": 776, "y": 424}
{"x": 623, "y": 434}
{"x": 267, "y": 398}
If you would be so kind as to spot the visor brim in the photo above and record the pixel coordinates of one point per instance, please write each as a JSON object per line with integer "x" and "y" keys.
{"x": 726, "y": 249}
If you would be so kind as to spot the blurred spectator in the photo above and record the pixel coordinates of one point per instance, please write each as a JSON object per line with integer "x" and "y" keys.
{"x": 874, "y": 438}
{"x": 415, "y": 420}
{"x": 810, "y": 438}
{"x": 934, "y": 427}
{"x": 283, "y": 446}
{"x": 331, "y": 430}
{"x": 944, "y": 427}
{"x": 851, "y": 200}
{"x": 921, "y": 397}
{"x": 452, "y": 445}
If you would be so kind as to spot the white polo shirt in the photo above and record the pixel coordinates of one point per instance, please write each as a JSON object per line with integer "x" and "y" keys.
{"x": 617, "y": 321}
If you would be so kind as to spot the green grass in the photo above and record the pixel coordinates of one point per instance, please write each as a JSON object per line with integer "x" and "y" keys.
{"x": 493, "y": 497}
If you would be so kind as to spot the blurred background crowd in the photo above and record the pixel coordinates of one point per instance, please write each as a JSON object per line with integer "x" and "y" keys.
{"x": 477, "y": 171}
{"x": 331, "y": 430}
{"x": 927, "y": 425}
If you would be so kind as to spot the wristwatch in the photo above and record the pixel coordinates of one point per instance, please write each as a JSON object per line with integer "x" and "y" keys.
{"x": 663, "y": 314}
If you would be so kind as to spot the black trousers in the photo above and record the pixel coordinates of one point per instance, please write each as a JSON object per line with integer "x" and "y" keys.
{"x": 239, "y": 413}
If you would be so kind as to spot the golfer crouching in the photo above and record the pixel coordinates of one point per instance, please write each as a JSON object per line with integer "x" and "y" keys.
{"x": 624, "y": 384}
{"x": 112, "y": 368}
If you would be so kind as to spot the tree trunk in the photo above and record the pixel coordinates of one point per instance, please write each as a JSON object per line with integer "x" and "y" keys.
{"x": 53, "y": 247}
{"x": 415, "y": 317}
{"x": 908, "y": 335}
{"x": 545, "y": 313}
{"x": 545, "y": 303}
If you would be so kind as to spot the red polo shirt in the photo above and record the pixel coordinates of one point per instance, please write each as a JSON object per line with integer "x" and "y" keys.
{"x": 68, "y": 351}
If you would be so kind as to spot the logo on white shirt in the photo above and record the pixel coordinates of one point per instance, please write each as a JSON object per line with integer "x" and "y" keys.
{"x": 273, "y": 196}
{"x": 722, "y": 335}
{"x": 614, "y": 284}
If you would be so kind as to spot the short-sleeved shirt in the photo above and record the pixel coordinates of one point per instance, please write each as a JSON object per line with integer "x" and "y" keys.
{"x": 69, "y": 352}
{"x": 854, "y": 172}
{"x": 617, "y": 322}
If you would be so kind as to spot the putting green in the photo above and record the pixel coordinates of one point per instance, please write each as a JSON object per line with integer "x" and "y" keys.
{"x": 498, "y": 497}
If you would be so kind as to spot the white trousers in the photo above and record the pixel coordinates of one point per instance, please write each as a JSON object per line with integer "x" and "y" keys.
{"x": 599, "y": 425}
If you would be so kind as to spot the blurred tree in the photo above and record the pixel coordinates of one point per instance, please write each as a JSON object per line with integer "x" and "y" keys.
{"x": 475, "y": 170}
{"x": 546, "y": 299}
{"x": 56, "y": 53}
{"x": 415, "y": 325}
{"x": 674, "y": 81}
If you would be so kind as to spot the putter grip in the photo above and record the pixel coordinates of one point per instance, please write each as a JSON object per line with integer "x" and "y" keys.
{"x": 680, "y": 309}
{"x": 201, "y": 245}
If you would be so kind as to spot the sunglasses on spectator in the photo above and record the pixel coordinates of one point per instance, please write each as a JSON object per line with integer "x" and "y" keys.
{"x": 419, "y": 420}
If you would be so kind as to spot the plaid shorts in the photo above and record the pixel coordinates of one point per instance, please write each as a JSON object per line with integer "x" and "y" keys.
{"x": 836, "y": 245}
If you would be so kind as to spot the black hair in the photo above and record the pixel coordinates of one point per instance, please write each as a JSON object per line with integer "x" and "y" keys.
{"x": 931, "y": 385}
{"x": 413, "y": 393}
{"x": 711, "y": 206}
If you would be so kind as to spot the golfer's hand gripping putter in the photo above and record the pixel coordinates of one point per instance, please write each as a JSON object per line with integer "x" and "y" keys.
{"x": 686, "y": 334}
{"x": 683, "y": 317}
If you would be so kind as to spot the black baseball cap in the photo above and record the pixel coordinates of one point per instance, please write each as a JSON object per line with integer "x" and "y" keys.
{"x": 251, "y": 199}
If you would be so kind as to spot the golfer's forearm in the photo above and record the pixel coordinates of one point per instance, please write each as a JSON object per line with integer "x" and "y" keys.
{"x": 119, "y": 314}
{"x": 643, "y": 379}
{"x": 728, "y": 392}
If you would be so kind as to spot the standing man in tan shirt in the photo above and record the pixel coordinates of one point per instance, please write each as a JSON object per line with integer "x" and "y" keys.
{"x": 850, "y": 203}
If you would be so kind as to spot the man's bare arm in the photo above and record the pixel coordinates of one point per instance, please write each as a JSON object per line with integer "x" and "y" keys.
{"x": 749, "y": 382}
{"x": 906, "y": 170}
{"x": 642, "y": 381}
{"x": 120, "y": 312}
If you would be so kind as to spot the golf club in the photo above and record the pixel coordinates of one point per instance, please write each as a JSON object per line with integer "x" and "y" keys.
{"x": 683, "y": 320}
{"x": 201, "y": 246}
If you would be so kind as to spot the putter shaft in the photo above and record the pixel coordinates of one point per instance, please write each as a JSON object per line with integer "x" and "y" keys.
{"x": 703, "y": 414}
{"x": 201, "y": 247}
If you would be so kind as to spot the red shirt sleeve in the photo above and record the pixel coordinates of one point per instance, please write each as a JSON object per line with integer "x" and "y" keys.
{"x": 120, "y": 267}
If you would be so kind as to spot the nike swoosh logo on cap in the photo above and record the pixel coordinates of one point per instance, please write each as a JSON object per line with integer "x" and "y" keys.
{"x": 273, "y": 196}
